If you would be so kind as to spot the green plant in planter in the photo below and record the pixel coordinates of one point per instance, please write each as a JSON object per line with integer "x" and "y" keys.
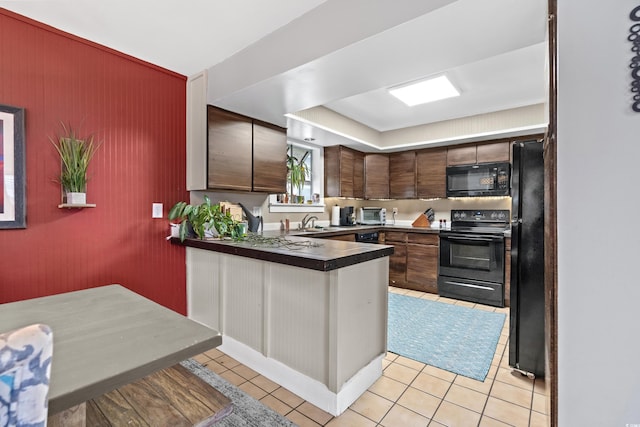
{"x": 298, "y": 172}
{"x": 75, "y": 155}
{"x": 205, "y": 217}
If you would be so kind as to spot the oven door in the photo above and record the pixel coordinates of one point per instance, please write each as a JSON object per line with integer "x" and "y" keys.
{"x": 472, "y": 256}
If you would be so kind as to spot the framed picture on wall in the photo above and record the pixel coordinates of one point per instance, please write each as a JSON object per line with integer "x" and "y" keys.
{"x": 12, "y": 168}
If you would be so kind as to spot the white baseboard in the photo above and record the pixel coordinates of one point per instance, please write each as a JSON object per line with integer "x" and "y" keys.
{"x": 307, "y": 388}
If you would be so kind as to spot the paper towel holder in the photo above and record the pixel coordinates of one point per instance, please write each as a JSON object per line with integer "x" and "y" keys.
{"x": 335, "y": 215}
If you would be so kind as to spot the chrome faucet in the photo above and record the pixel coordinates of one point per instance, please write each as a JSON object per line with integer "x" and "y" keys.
{"x": 305, "y": 221}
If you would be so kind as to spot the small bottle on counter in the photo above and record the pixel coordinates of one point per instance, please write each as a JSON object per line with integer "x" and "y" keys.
{"x": 444, "y": 223}
{"x": 281, "y": 225}
{"x": 440, "y": 223}
{"x": 286, "y": 224}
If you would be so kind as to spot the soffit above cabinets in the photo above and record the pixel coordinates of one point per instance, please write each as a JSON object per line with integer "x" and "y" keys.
{"x": 267, "y": 59}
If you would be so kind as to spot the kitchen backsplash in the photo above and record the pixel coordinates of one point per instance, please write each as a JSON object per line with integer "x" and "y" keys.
{"x": 408, "y": 210}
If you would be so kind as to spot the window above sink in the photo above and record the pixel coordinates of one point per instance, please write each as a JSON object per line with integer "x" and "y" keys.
{"x": 313, "y": 184}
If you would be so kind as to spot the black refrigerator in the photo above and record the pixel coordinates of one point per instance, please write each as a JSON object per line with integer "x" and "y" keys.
{"x": 526, "y": 329}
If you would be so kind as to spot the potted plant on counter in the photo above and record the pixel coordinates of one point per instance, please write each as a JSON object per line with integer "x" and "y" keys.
{"x": 205, "y": 220}
{"x": 75, "y": 155}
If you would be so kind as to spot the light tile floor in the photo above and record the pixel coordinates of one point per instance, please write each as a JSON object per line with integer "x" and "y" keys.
{"x": 410, "y": 393}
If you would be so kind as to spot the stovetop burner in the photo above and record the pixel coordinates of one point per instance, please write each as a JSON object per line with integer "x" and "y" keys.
{"x": 488, "y": 221}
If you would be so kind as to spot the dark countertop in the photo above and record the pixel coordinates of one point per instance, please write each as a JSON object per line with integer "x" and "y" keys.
{"x": 324, "y": 255}
{"x": 341, "y": 230}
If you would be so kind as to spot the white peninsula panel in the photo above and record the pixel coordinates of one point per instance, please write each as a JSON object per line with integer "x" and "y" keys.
{"x": 321, "y": 334}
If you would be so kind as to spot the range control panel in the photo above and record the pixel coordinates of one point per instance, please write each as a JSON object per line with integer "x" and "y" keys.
{"x": 486, "y": 215}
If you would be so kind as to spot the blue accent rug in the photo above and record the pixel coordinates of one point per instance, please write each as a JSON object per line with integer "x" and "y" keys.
{"x": 458, "y": 339}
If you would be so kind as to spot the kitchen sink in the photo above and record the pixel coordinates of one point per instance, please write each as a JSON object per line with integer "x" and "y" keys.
{"x": 318, "y": 229}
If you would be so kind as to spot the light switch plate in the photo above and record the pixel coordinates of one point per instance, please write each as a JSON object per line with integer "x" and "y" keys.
{"x": 156, "y": 210}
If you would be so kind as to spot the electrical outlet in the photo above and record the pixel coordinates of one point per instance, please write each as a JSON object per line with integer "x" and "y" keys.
{"x": 156, "y": 210}
{"x": 395, "y": 211}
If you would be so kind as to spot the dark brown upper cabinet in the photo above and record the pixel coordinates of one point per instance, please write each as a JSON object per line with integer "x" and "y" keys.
{"x": 230, "y": 143}
{"x": 402, "y": 175}
{"x": 358, "y": 174}
{"x": 494, "y": 152}
{"x": 376, "y": 176}
{"x": 462, "y": 155}
{"x": 343, "y": 172}
{"x": 431, "y": 170}
{"x": 269, "y": 158}
{"x": 470, "y": 154}
{"x": 245, "y": 154}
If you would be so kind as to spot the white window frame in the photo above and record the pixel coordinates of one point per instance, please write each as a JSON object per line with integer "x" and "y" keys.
{"x": 317, "y": 183}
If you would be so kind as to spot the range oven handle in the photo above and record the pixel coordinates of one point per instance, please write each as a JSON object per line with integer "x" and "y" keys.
{"x": 473, "y": 238}
{"x": 469, "y": 285}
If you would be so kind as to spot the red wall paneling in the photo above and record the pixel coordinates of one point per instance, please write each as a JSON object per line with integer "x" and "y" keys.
{"x": 138, "y": 110}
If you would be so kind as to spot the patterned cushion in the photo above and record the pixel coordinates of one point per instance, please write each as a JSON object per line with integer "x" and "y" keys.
{"x": 25, "y": 367}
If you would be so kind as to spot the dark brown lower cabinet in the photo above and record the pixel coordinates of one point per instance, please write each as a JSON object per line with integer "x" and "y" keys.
{"x": 422, "y": 262}
{"x": 398, "y": 265}
{"x": 414, "y": 264}
{"x": 397, "y": 261}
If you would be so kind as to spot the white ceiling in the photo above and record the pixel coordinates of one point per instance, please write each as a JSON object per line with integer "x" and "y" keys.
{"x": 268, "y": 58}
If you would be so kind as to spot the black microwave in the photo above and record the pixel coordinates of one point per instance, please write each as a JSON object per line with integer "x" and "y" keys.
{"x": 484, "y": 179}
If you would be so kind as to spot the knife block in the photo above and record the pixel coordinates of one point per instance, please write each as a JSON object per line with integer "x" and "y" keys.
{"x": 421, "y": 221}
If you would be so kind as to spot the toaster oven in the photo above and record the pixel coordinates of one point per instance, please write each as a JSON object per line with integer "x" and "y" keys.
{"x": 372, "y": 216}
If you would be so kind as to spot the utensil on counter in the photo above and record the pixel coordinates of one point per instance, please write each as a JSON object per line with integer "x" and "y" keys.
{"x": 254, "y": 222}
{"x": 430, "y": 214}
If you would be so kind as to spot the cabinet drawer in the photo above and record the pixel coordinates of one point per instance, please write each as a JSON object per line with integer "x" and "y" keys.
{"x": 351, "y": 237}
{"x": 423, "y": 239}
{"x": 395, "y": 236}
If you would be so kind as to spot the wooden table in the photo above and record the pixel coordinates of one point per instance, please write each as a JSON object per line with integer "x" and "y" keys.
{"x": 106, "y": 337}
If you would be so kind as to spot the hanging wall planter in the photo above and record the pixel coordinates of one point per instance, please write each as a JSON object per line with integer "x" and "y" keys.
{"x": 75, "y": 155}
{"x": 74, "y": 198}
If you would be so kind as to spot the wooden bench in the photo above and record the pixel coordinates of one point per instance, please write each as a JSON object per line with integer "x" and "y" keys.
{"x": 170, "y": 397}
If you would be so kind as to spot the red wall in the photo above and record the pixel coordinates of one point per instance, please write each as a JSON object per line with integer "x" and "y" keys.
{"x": 138, "y": 110}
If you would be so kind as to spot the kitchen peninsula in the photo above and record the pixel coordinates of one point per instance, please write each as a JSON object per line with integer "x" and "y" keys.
{"x": 310, "y": 315}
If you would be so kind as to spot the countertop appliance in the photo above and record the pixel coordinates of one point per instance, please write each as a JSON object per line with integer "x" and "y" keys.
{"x": 484, "y": 179}
{"x": 526, "y": 326}
{"x": 372, "y": 216}
{"x": 347, "y": 216}
{"x": 368, "y": 237}
{"x": 472, "y": 256}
